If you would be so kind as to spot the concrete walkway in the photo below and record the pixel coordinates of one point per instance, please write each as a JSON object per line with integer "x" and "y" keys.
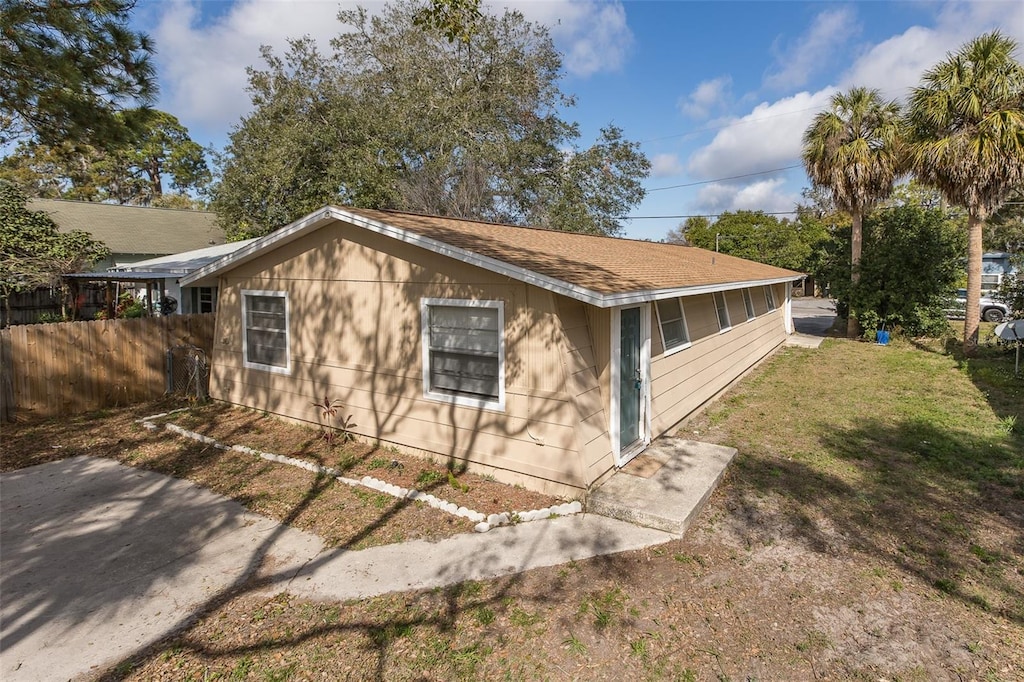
{"x": 98, "y": 560}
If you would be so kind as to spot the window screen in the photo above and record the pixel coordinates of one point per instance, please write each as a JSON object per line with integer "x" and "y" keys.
{"x": 722, "y": 310}
{"x": 673, "y": 324}
{"x": 464, "y": 352}
{"x": 266, "y": 330}
{"x": 748, "y": 303}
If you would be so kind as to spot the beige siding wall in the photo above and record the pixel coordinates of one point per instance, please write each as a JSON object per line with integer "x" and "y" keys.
{"x": 354, "y": 308}
{"x": 686, "y": 379}
{"x": 585, "y": 387}
{"x": 600, "y": 322}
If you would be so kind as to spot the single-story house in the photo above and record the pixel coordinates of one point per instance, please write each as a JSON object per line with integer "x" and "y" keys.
{"x": 134, "y": 233}
{"x": 540, "y": 357}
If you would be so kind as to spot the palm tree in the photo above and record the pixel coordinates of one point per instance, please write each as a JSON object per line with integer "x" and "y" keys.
{"x": 853, "y": 151}
{"x": 965, "y": 129}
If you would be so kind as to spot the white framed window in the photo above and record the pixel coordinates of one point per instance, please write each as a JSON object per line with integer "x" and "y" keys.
{"x": 464, "y": 351}
{"x": 203, "y": 299}
{"x": 265, "y": 341}
{"x": 769, "y": 298}
{"x": 748, "y": 304}
{"x": 675, "y": 336}
{"x": 723, "y": 311}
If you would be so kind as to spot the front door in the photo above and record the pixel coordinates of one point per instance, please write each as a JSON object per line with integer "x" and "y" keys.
{"x": 630, "y": 378}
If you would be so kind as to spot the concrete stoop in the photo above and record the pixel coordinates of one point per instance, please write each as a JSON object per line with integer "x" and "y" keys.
{"x": 670, "y": 497}
{"x": 804, "y": 340}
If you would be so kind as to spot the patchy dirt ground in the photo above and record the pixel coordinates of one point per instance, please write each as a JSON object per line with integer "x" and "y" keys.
{"x": 717, "y": 605}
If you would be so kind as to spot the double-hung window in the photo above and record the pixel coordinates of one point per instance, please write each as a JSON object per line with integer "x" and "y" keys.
{"x": 265, "y": 330}
{"x": 464, "y": 351}
{"x": 203, "y": 299}
{"x": 672, "y": 320}
{"x": 748, "y": 304}
{"x": 769, "y": 298}
{"x": 722, "y": 310}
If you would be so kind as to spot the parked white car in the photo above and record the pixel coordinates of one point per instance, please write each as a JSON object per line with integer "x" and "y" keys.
{"x": 991, "y": 309}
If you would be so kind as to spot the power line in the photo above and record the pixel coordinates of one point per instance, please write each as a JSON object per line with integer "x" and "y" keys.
{"x": 731, "y": 177}
{"x": 701, "y": 215}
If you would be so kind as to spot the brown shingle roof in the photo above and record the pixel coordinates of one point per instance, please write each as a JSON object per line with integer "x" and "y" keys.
{"x": 603, "y": 271}
{"x": 135, "y": 229}
{"x": 605, "y": 265}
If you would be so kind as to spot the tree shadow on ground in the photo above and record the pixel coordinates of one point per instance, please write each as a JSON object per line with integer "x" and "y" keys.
{"x": 439, "y": 609}
{"x": 940, "y": 504}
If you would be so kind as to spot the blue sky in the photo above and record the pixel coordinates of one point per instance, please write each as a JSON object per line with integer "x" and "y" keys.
{"x": 713, "y": 90}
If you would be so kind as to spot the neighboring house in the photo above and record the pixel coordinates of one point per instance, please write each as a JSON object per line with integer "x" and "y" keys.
{"x": 541, "y": 357}
{"x": 166, "y": 273}
{"x": 994, "y": 266}
{"x": 134, "y": 233}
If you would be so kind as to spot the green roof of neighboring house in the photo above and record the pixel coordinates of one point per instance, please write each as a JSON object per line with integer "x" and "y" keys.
{"x": 135, "y": 229}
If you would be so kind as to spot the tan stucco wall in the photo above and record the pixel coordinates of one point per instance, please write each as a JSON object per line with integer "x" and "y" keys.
{"x": 354, "y": 308}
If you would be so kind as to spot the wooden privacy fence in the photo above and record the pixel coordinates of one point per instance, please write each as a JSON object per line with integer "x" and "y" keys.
{"x": 74, "y": 367}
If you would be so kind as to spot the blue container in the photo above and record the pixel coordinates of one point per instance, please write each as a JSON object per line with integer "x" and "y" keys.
{"x": 882, "y": 337}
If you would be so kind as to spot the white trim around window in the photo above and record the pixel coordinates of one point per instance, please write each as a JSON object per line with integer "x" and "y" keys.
{"x": 266, "y": 336}
{"x": 675, "y": 335}
{"x": 722, "y": 312}
{"x": 459, "y": 350}
{"x": 748, "y": 305}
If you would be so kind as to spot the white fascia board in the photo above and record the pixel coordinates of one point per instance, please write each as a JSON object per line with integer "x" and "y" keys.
{"x": 627, "y": 298}
{"x": 321, "y": 216}
{"x": 286, "y": 234}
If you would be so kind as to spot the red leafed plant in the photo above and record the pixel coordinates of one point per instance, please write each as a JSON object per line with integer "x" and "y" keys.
{"x": 328, "y": 409}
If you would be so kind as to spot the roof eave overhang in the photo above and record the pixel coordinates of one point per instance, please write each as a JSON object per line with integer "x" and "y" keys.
{"x": 207, "y": 274}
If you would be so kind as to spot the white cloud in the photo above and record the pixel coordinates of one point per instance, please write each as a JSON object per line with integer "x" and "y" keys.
{"x": 762, "y": 195}
{"x": 768, "y": 137}
{"x": 593, "y": 36}
{"x": 202, "y": 63}
{"x": 895, "y": 65}
{"x": 202, "y": 67}
{"x": 812, "y": 52}
{"x": 665, "y": 165}
{"x": 709, "y": 96}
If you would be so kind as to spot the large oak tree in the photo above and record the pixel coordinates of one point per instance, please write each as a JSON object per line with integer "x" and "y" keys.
{"x": 400, "y": 116}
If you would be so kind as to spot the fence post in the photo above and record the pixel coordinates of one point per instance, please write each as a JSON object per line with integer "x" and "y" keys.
{"x": 6, "y": 377}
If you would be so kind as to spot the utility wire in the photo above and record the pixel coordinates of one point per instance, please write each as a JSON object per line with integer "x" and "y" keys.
{"x": 731, "y": 177}
{"x": 702, "y": 215}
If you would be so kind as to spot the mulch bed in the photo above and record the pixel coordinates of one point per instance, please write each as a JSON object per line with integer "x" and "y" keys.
{"x": 344, "y": 516}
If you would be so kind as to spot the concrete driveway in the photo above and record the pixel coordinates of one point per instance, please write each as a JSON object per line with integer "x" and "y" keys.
{"x": 98, "y": 560}
{"x": 813, "y": 316}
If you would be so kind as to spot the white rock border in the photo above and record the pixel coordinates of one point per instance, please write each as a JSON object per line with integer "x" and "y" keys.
{"x": 483, "y": 522}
